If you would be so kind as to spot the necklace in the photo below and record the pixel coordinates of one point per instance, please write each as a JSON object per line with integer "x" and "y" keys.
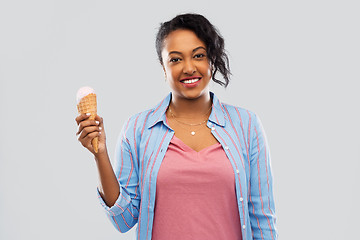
{"x": 192, "y": 132}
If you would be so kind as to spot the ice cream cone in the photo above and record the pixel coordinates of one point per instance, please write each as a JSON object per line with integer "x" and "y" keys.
{"x": 87, "y": 104}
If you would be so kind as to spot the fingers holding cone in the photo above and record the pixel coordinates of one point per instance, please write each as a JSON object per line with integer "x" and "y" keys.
{"x": 88, "y": 130}
{"x": 86, "y": 104}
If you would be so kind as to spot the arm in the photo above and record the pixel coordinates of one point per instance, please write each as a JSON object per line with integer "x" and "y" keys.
{"x": 88, "y": 129}
{"x": 116, "y": 190}
{"x": 261, "y": 200}
{"x": 124, "y": 212}
{"x": 109, "y": 188}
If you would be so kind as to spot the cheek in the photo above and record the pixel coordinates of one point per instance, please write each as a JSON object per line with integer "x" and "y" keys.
{"x": 206, "y": 69}
{"x": 173, "y": 72}
{"x": 210, "y": 71}
{"x": 169, "y": 76}
{"x": 167, "y": 70}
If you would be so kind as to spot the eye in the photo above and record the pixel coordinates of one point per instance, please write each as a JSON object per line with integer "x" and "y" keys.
{"x": 174, "y": 60}
{"x": 200, "y": 55}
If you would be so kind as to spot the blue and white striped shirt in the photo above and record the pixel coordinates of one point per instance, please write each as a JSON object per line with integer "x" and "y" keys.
{"x": 141, "y": 148}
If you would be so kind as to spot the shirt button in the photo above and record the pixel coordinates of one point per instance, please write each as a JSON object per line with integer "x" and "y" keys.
{"x": 213, "y": 128}
{"x": 244, "y": 226}
{"x": 237, "y": 171}
{"x": 241, "y": 199}
{"x": 226, "y": 147}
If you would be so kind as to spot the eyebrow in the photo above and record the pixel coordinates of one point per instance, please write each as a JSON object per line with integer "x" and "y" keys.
{"x": 195, "y": 49}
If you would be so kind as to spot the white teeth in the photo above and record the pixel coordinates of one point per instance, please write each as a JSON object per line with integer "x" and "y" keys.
{"x": 191, "y": 80}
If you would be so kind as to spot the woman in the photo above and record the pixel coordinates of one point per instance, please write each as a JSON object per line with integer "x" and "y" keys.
{"x": 191, "y": 167}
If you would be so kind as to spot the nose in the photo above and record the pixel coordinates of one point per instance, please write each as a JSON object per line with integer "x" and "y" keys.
{"x": 189, "y": 67}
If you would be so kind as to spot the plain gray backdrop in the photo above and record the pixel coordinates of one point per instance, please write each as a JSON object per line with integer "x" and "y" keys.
{"x": 294, "y": 63}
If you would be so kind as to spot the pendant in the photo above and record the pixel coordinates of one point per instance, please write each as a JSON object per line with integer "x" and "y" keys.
{"x": 193, "y": 133}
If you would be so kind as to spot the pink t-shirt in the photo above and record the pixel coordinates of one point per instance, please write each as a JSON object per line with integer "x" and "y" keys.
{"x": 195, "y": 195}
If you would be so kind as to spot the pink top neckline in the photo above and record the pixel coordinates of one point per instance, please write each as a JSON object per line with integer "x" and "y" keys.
{"x": 186, "y": 148}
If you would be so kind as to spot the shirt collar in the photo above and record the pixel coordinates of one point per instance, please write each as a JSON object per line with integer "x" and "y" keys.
{"x": 217, "y": 115}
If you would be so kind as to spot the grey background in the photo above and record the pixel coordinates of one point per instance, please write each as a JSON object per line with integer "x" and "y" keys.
{"x": 294, "y": 63}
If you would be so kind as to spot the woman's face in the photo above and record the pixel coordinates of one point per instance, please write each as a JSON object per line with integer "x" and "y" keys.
{"x": 186, "y": 65}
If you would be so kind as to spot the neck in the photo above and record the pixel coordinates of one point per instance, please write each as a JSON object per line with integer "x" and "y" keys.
{"x": 191, "y": 108}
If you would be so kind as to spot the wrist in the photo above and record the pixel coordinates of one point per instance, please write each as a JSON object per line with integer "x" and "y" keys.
{"x": 101, "y": 155}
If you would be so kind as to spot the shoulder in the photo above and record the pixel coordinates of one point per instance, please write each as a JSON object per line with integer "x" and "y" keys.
{"x": 140, "y": 117}
{"x": 237, "y": 113}
{"x": 139, "y": 123}
{"x": 136, "y": 122}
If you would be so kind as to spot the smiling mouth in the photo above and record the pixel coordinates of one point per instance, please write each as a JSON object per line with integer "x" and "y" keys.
{"x": 187, "y": 81}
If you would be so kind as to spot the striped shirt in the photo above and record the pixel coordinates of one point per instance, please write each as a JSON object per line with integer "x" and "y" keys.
{"x": 141, "y": 148}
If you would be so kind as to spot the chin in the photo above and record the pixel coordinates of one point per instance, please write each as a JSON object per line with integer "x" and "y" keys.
{"x": 194, "y": 94}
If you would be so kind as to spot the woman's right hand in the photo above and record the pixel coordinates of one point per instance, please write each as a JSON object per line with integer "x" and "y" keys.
{"x": 88, "y": 130}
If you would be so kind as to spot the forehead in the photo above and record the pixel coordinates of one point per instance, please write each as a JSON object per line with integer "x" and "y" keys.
{"x": 182, "y": 40}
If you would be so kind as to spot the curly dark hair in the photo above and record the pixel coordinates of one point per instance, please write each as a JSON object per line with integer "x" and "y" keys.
{"x": 207, "y": 33}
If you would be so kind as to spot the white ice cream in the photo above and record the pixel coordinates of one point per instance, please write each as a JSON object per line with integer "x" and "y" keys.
{"x": 82, "y": 92}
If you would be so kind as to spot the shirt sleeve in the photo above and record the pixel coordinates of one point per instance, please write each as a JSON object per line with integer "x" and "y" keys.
{"x": 124, "y": 213}
{"x": 261, "y": 199}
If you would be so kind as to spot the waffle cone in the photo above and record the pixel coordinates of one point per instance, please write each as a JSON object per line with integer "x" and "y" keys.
{"x": 87, "y": 104}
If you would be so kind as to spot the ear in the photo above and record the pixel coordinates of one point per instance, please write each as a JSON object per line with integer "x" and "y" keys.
{"x": 212, "y": 69}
